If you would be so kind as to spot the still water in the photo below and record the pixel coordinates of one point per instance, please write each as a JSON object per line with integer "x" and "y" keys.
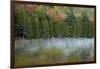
{"x": 67, "y": 44}
{"x": 53, "y": 50}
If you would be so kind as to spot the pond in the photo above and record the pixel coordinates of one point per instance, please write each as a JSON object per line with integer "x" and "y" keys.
{"x": 56, "y": 49}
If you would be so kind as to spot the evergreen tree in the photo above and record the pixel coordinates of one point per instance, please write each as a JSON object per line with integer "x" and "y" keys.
{"x": 70, "y": 20}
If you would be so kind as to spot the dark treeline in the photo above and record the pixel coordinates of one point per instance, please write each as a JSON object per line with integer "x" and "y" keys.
{"x": 39, "y": 21}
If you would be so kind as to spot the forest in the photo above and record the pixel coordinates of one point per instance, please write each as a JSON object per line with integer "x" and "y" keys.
{"x": 40, "y": 21}
{"x": 53, "y": 34}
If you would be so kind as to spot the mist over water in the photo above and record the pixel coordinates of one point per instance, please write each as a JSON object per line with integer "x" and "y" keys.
{"x": 67, "y": 44}
{"x": 54, "y": 50}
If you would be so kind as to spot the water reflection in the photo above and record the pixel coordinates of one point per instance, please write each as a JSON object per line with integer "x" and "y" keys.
{"x": 54, "y": 50}
{"x": 67, "y": 44}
